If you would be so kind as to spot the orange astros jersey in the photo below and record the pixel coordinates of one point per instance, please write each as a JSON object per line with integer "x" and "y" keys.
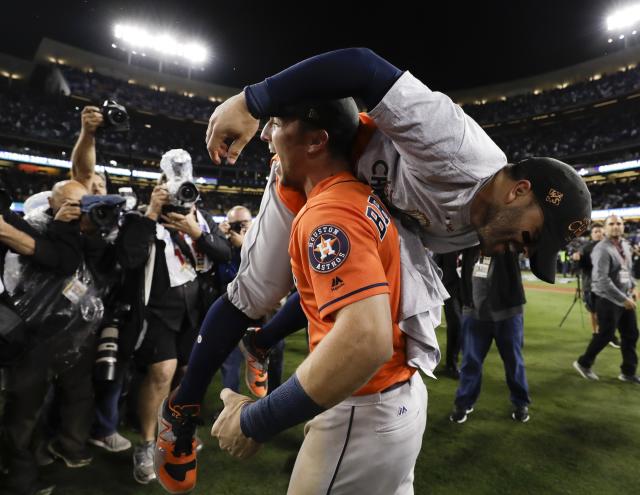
{"x": 344, "y": 248}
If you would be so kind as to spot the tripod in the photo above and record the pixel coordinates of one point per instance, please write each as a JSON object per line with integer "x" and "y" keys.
{"x": 577, "y": 296}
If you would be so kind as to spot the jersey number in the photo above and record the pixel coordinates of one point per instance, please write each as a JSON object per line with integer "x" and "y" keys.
{"x": 378, "y": 216}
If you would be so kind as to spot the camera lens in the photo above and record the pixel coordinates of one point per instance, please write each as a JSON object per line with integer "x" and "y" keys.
{"x": 107, "y": 356}
{"x": 118, "y": 116}
{"x": 187, "y": 193}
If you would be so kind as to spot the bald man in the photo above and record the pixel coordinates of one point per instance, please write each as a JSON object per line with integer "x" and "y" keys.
{"x": 63, "y": 348}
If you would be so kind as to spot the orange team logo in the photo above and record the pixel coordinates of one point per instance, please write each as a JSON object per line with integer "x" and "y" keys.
{"x": 324, "y": 247}
{"x": 328, "y": 247}
{"x": 554, "y": 197}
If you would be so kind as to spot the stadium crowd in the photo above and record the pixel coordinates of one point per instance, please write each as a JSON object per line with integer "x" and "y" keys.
{"x": 608, "y": 86}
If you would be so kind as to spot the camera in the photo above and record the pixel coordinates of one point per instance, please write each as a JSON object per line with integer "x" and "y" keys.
{"x": 107, "y": 355}
{"x": 237, "y": 226}
{"x": 103, "y": 211}
{"x": 182, "y": 197}
{"x": 178, "y": 174}
{"x": 115, "y": 116}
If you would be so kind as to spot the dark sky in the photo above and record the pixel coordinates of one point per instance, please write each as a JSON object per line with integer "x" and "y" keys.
{"x": 449, "y": 45}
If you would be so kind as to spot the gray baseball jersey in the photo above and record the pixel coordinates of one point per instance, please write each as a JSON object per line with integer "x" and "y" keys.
{"x": 427, "y": 155}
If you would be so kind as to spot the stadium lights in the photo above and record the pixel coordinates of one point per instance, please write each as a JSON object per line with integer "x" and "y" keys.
{"x": 623, "y": 18}
{"x": 138, "y": 38}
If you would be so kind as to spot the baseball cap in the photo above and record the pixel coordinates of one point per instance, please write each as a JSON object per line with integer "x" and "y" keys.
{"x": 339, "y": 117}
{"x": 566, "y": 205}
{"x": 88, "y": 201}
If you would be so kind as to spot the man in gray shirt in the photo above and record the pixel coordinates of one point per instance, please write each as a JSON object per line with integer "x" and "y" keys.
{"x": 613, "y": 287}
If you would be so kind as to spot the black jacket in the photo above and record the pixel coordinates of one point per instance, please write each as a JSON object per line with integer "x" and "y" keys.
{"x": 133, "y": 249}
{"x": 504, "y": 287}
{"x": 59, "y": 249}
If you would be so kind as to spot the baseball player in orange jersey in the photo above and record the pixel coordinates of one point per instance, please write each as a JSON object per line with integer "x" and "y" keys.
{"x": 345, "y": 258}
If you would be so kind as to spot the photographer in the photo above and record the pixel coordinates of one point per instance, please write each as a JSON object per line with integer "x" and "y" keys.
{"x": 61, "y": 314}
{"x": 107, "y": 392}
{"x": 165, "y": 252}
{"x": 583, "y": 258}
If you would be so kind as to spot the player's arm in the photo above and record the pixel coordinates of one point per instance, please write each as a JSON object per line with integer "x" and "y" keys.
{"x": 355, "y": 348}
{"x": 357, "y": 72}
{"x": 83, "y": 156}
{"x": 359, "y": 343}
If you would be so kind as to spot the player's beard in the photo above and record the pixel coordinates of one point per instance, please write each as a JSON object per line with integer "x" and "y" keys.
{"x": 499, "y": 228}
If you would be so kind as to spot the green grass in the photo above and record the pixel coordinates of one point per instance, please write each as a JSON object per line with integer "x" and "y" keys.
{"x": 583, "y": 437}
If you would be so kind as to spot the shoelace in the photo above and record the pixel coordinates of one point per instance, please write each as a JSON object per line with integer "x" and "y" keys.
{"x": 184, "y": 430}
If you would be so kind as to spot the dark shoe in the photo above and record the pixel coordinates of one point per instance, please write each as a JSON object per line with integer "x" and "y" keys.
{"x": 521, "y": 413}
{"x": 460, "y": 414}
{"x": 42, "y": 455}
{"x": 76, "y": 460}
{"x": 629, "y": 378}
{"x": 585, "y": 373}
{"x": 615, "y": 342}
{"x": 452, "y": 371}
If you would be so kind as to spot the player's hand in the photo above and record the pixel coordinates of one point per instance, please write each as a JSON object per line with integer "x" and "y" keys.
{"x": 186, "y": 224}
{"x": 629, "y": 304}
{"x": 227, "y": 427}
{"x": 575, "y": 256}
{"x": 91, "y": 119}
{"x": 68, "y": 212}
{"x": 231, "y": 127}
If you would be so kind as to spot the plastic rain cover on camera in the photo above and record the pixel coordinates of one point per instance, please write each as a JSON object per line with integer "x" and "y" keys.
{"x": 37, "y": 201}
{"x": 38, "y": 217}
{"x": 61, "y": 312}
{"x": 176, "y": 165}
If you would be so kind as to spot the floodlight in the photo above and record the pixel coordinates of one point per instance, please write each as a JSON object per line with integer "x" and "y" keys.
{"x": 623, "y": 18}
{"x": 139, "y": 39}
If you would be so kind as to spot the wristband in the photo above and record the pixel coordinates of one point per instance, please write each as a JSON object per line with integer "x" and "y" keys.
{"x": 287, "y": 406}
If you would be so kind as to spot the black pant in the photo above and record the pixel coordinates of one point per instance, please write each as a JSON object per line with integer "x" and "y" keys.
{"x": 453, "y": 313}
{"x": 30, "y": 379}
{"x": 611, "y": 316}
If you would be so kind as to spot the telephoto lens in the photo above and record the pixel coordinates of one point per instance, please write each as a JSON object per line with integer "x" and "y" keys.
{"x": 107, "y": 356}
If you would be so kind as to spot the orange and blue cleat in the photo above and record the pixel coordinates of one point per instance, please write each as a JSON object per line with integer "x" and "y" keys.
{"x": 256, "y": 373}
{"x": 174, "y": 457}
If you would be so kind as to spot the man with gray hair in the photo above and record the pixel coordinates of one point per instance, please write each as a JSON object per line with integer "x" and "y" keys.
{"x": 613, "y": 286}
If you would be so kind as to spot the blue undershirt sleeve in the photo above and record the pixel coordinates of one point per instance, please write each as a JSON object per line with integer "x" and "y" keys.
{"x": 356, "y": 72}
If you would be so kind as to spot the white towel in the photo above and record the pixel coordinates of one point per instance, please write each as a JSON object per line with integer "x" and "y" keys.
{"x": 421, "y": 298}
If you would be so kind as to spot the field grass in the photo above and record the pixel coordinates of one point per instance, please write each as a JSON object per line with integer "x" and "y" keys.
{"x": 583, "y": 437}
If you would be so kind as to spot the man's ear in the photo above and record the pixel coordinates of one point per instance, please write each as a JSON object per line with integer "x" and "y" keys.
{"x": 318, "y": 141}
{"x": 518, "y": 189}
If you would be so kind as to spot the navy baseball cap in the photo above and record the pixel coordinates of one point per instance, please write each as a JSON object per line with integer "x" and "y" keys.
{"x": 88, "y": 201}
{"x": 339, "y": 117}
{"x": 566, "y": 204}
